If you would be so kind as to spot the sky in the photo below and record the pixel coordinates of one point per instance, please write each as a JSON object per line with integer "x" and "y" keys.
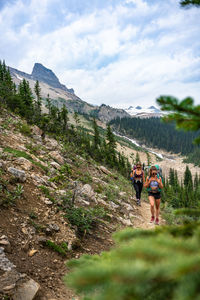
{"x": 117, "y": 52}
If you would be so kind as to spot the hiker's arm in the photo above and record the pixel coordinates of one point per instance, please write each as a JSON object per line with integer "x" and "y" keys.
{"x": 143, "y": 179}
{"x": 160, "y": 183}
{"x": 147, "y": 183}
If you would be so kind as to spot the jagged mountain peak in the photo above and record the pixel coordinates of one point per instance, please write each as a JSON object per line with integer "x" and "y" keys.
{"x": 41, "y": 73}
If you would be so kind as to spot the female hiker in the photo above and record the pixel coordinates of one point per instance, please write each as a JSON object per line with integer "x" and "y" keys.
{"x": 154, "y": 186}
{"x": 137, "y": 177}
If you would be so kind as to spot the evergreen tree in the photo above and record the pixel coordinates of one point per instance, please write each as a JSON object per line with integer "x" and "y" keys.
{"x": 188, "y": 177}
{"x": 111, "y": 146}
{"x": 37, "y": 91}
{"x": 97, "y": 141}
{"x": 64, "y": 117}
{"x": 76, "y": 118}
{"x": 185, "y": 3}
{"x": 26, "y": 96}
{"x": 137, "y": 159}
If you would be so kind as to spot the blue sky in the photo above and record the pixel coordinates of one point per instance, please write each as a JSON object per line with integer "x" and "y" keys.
{"x": 117, "y": 52}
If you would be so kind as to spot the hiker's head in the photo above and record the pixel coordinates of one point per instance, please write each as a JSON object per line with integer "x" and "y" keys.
{"x": 153, "y": 171}
{"x": 138, "y": 165}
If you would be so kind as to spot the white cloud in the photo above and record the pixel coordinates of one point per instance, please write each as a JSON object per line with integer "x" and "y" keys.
{"x": 121, "y": 55}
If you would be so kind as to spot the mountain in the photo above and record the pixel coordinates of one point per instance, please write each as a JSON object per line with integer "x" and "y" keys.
{"x": 144, "y": 112}
{"x": 43, "y": 74}
{"x": 61, "y": 95}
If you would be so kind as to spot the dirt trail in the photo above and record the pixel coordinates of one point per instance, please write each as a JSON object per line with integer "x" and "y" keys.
{"x": 142, "y": 217}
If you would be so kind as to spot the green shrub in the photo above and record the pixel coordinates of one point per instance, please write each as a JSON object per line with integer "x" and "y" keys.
{"x": 61, "y": 249}
{"x": 84, "y": 219}
{"x": 156, "y": 264}
{"x": 24, "y": 129}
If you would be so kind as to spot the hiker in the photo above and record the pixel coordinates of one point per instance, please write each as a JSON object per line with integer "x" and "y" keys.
{"x": 137, "y": 178}
{"x": 154, "y": 185}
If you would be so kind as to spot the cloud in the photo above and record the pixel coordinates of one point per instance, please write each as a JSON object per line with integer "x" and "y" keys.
{"x": 116, "y": 52}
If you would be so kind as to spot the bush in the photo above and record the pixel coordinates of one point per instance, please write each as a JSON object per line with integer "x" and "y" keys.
{"x": 84, "y": 219}
{"x": 157, "y": 264}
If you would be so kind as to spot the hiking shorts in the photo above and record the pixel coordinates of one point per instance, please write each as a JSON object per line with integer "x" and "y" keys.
{"x": 155, "y": 195}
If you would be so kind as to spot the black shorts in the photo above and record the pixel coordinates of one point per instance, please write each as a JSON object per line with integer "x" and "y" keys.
{"x": 155, "y": 195}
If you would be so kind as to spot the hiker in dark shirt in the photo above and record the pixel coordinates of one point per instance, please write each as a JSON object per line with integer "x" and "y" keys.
{"x": 137, "y": 178}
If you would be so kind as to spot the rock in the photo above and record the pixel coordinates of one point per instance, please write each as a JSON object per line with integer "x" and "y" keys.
{"x": 39, "y": 179}
{"x": 5, "y": 264}
{"x": 52, "y": 228}
{"x": 53, "y": 185}
{"x": 55, "y": 165}
{"x": 113, "y": 205}
{"x": 104, "y": 170}
{"x": 19, "y": 174}
{"x": 24, "y": 163}
{"x": 122, "y": 194}
{"x": 88, "y": 191}
{"x": 61, "y": 192}
{"x": 27, "y": 290}
{"x": 125, "y": 221}
{"x": 2, "y": 164}
{"x": 36, "y": 130}
{"x": 42, "y": 240}
{"x": 4, "y": 242}
{"x": 51, "y": 144}
{"x": 32, "y": 252}
{"x": 127, "y": 206}
{"x": 48, "y": 202}
{"x": 56, "y": 156}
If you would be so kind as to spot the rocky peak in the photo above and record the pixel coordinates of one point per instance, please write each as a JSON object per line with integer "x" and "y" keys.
{"x": 43, "y": 74}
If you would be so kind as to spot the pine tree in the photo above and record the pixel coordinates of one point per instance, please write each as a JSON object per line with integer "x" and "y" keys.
{"x": 37, "y": 91}
{"x": 185, "y": 3}
{"x": 97, "y": 141}
{"x": 188, "y": 178}
{"x": 137, "y": 159}
{"x": 111, "y": 146}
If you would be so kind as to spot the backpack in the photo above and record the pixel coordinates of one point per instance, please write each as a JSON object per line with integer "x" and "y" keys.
{"x": 159, "y": 174}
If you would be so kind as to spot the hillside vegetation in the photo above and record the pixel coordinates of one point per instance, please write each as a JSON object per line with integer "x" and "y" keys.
{"x": 153, "y": 132}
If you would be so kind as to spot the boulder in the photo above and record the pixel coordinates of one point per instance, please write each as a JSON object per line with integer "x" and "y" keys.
{"x": 51, "y": 144}
{"x": 55, "y": 165}
{"x": 27, "y": 290}
{"x": 4, "y": 242}
{"x": 88, "y": 191}
{"x": 24, "y": 163}
{"x": 56, "y": 156}
{"x": 19, "y": 174}
{"x": 125, "y": 222}
{"x": 36, "y": 130}
{"x": 104, "y": 170}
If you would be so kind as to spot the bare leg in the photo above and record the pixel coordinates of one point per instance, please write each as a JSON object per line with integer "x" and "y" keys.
{"x": 157, "y": 207}
{"x": 151, "y": 200}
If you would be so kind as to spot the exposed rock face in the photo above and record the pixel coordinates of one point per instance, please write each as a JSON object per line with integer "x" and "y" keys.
{"x": 21, "y": 175}
{"x": 43, "y": 74}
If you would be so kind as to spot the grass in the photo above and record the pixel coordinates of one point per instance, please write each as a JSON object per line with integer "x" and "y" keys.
{"x": 18, "y": 153}
{"x": 60, "y": 249}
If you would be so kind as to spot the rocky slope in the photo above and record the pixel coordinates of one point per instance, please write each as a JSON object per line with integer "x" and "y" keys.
{"x": 46, "y": 191}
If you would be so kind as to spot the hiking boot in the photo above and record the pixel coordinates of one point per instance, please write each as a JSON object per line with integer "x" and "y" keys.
{"x": 157, "y": 221}
{"x": 138, "y": 202}
{"x": 152, "y": 219}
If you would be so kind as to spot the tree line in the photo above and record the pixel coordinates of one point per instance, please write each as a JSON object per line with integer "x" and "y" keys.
{"x": 55, "y": 121}
{"x": 153, "y": 132}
